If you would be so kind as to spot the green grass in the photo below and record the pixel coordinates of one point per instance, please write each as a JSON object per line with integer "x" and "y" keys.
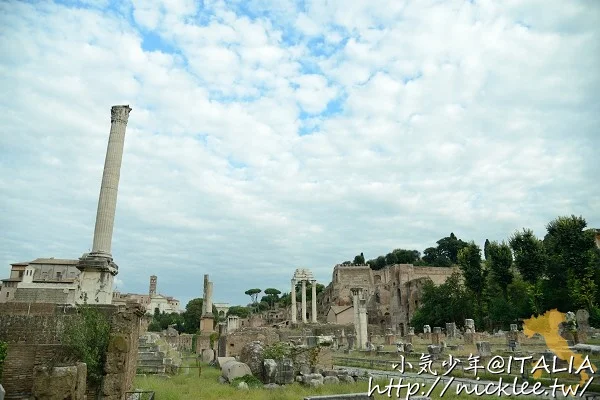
{"x": 207, "y": 387}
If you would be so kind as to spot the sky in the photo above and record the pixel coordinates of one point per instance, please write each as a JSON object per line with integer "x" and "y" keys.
{"x": 267, "y": 136}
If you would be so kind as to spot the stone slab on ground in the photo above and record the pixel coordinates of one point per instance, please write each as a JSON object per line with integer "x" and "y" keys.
{"x": 222, "y": 360}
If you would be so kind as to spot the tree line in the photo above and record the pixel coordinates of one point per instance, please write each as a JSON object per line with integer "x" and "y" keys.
{"x": 445, "y": 254}
{"x": 522, "y": 276}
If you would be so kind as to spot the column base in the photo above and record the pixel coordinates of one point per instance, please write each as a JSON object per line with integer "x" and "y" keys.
{"x": 99, "y": 262}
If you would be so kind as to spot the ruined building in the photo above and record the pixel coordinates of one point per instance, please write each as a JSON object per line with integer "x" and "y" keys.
{"x": 392, "y": 294}
{"x": 151, "y": 302}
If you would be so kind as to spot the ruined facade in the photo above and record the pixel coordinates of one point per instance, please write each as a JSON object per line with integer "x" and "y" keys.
{"x": 392, "y": 293}
{"x": 34, "y": 333}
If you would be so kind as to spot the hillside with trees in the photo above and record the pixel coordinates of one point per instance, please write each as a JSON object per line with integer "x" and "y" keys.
{"x": 513, "y": 279}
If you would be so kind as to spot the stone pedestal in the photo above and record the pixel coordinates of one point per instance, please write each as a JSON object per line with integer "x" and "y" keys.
{"x": 207, "y": 323}
{"x": 450, "y": 330}
{"x": 390, "y": 339}
{"x": 512, "y": 340}
{"x": 469, "y": 338}
{"x": 484, "y": 349}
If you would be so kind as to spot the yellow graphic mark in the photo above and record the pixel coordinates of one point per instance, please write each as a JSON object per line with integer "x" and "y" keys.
{"x": 547, "y": 325}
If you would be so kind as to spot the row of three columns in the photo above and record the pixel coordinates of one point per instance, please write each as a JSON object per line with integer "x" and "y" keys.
{"x": 313, "y": 283}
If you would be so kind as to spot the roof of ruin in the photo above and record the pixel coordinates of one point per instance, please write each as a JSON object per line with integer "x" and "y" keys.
{"x": 52, "y": 260}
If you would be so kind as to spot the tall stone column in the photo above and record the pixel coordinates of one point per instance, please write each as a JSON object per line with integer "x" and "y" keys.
{"x": 313, "y": 284}
{"x": 207, "y": 318}
{"x": 358, "y": 331}
{"x": 95, "y": 282}
{"x": 304, "y": 302}
{"x": 105, "y": 217}
{"x": 294, "y": 307}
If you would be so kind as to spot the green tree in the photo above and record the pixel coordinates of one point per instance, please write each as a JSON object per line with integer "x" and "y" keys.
{"x": 359, "y": 259}
{"x": 430, "y": 254}
{"x": 190, "y": 318}
{"x": 572, "y": 257}
{"x": 447, "y": 302}
{"x": 404, "y": 256}
{"x": 500, "y": 262}
{"x": 240, "y": 311}
{"x": 253, "y": 293}
{"x": 530, "y": 258}
{"x": 450, "y": 246}
{"x": 474, "y": 273}
{"x": 486, "y": 247}
{"x": 285, "y": 300}
{"x": 380, "y": 263}
{"x": 391, "y": 259}
{"x": 272, "y": 296}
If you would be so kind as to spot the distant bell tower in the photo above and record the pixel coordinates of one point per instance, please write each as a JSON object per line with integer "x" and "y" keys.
{"x": 153, "y": 285}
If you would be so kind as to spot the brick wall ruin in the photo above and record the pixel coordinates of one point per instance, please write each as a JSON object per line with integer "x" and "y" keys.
{"x": 33, "y": 333}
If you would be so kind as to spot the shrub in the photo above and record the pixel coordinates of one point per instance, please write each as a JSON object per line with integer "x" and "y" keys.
{"x": 251, "y": 381}
{"x": 87, "y": 338}
{"x": 3, "y": 353}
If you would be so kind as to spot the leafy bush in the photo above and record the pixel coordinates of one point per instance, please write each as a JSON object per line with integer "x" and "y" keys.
{"x": 87, "y": 338}
{"x": 278, "y": 351}
{"x": 3, "y": 353}
{"x": 251, "y": 381}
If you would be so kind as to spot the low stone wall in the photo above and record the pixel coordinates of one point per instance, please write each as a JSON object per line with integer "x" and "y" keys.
{"x": 33, "y": 333}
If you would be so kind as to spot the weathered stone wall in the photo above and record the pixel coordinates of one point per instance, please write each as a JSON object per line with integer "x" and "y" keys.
{"x": 393, "y": 293}
{"x": 33, "y": 333}
{"x": 121, "y": 358}
{"x": 238, "y": 339}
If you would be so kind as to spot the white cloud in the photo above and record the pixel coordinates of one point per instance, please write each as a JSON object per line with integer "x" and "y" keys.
{"x": 454, "y": 116}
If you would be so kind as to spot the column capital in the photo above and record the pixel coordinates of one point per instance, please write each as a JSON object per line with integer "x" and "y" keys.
{"x": 120, "y": 114}
{"x": 313, "y": 281}
{"x": 356, "y": 291}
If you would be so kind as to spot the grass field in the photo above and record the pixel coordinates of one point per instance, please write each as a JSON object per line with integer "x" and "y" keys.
{"x": 207, "y": 387}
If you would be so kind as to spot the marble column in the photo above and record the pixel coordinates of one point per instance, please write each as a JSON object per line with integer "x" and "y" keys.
{"x": 313, "y": 284}
{"x": 304, "y": 302}
{"x": 357, "y": 320}
{"x": 107, "y": 203}
{"x": 95, "y": 282}
{"x": 294, "y": 307}
{"x": 207, "y": 302}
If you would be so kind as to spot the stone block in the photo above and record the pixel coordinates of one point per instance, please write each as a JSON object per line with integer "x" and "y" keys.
{"x": 484, "y": 349}
{"x": 469, "y": 338}
{"x": 222, "y": 360}
{"x": 437, "y": 329}
{"x": 235, "y": 369}
{"x": 270, "y": 370}
{"x": 208, "y": 355}
{"x": 450, "y": 329}
{"x": 331, "y": 380}
{"x": 58, "y": 383}
{"x": 252, "y": 355}
{"x": 2, "y": 393}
